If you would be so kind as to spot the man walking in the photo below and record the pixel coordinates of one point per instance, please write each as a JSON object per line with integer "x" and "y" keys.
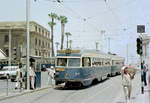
{"x": 127, "y": 77}
{"x": 145, "y": 69}
{"x": 19, "y": 77}
{"x": 51, "y": 74}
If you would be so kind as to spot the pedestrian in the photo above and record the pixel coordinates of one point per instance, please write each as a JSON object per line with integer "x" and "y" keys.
{"x": 32, "y": 76}
{"x": 19, "y": 77}
{"x": 127, "y": 73}
{"x": 44, "y": 68}
{"x": 145, "y": 69}
{"x": 51, "y": 74}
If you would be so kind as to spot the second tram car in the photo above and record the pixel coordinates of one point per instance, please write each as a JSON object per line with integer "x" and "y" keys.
{"x": 82, "y": 67}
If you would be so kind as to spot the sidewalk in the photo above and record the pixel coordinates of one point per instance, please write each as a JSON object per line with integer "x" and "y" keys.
{"x": 144, "y": 98}
{"x": 23, "y": 92}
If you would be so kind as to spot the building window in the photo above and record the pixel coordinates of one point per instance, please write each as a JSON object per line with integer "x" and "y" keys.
{"x": 39, "y": 53}
{"x": 36, "y": 28}
{"x": 36, "y": 53}
{"x": 6, "y": 38}
{"x": 46, "y": 45}
{"x": 39, "y": 42}
{"x": 42, "y": 32}
{"x": 35, "y": 41}
{"x": 39, "y": 30}
{"x": 43, "y": 44}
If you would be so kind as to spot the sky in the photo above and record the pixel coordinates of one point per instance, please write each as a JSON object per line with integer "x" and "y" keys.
{"x": 86, "y": 20}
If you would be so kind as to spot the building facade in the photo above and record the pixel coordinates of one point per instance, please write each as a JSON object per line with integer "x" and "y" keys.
{"x": 39, "y": 38}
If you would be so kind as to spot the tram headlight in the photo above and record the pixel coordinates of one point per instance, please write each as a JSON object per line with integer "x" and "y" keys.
{"x": 66, "y": 74}
{"x": 57, "y": 73}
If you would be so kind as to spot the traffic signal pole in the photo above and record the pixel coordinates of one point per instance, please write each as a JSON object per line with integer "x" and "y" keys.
{"x": 140, "y": 52}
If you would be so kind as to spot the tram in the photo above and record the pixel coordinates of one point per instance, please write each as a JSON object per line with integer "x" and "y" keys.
{"x": 82, "y": 67}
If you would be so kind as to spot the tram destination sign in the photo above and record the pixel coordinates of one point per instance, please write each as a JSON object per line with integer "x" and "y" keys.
{"x": 140, "y": 28}
{"x": 68, "y": 51}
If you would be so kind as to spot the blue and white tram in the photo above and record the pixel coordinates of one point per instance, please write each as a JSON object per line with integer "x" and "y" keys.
{"x": 116, "y": 63}
{"x": 81, "y": 67}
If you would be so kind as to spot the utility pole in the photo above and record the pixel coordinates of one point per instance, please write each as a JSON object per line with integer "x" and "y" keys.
{"x": 28, "y": 41}
{"x": 9, "y": 61}
{"x": 108, "y": 44}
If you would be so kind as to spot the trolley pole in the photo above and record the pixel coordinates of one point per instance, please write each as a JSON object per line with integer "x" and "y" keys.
{"x": 28, "y": 41}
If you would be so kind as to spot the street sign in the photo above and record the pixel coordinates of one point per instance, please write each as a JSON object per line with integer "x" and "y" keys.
{"x": 140, "y": 28}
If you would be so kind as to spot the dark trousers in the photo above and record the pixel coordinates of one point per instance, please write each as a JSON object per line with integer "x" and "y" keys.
{"x": 145, "y": 83}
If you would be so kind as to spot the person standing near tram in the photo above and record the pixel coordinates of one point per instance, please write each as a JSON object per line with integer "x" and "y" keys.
{"x": 32, "y": 76}
{"x": 51, "y": 76}
{"x": 19, "y": 77}
{"x": 127, "y": 73}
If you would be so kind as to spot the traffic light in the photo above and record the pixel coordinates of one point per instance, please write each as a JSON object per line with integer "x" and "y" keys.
{"x": 139, "y": 46}
{"x": 14, "y": 52}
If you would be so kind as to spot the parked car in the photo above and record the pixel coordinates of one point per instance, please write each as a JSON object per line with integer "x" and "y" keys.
{"x": 10, "y": 71}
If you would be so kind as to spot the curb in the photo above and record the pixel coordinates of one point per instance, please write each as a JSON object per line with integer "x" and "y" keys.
{"x": 22, "y": 93}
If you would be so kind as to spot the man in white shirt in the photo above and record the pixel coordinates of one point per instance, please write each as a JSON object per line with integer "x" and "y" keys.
{"x": 32, "y": 75}
{"x": 51, "y": 74}
{"x": 18, "y": 77}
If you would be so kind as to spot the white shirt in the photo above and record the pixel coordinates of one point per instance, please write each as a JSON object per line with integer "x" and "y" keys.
{"x": 126, "y": 80}
{"x": 31, "y": 72}
{"x": 18, "y": 72}
{"x": 51, "y": 73}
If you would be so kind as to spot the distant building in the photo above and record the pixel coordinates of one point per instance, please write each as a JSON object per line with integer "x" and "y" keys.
{"x": 39, "y": 38}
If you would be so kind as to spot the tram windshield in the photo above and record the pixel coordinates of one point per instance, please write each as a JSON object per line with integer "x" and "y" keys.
{"x": 62, "y": 62}
{"x": 68, "y": 62}
{"x": 74, "y": 62}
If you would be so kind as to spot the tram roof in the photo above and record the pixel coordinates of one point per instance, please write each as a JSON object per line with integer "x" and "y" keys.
{"x": 84, "y": 52}
{"x": 87, "y": 53}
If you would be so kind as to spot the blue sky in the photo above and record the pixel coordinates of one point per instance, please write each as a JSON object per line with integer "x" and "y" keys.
{"x": 86, "y": 18}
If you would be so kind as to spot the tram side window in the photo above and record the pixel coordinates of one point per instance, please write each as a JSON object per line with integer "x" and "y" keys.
{"x": 62, "y": 62}
{"x": 86, "y": 61}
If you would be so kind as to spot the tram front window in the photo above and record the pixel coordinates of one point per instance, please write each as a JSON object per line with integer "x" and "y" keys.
{"x": 73, "y": 62}
{"x": 62, "y": 62}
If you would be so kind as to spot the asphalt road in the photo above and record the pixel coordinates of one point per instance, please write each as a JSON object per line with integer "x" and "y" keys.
{"x": 108, "y": 91}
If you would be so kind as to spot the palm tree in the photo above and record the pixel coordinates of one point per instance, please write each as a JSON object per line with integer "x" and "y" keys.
{"x": 67, "y": 35}
{"x": 97, "y": 45}
{"x": 51, "y": 24}
{"x": 57, "y": 43}
{"x": 70, "y": 42}
{"x": 63, "y": 21}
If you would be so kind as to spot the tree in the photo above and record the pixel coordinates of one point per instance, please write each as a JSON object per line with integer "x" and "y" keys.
{"x": 67, "y": 35}
{"x": 96, "y": 45}
{"x": 51, "y": 24}
{"x": 63, "y": 21}
{"x": 70, "y": 42}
